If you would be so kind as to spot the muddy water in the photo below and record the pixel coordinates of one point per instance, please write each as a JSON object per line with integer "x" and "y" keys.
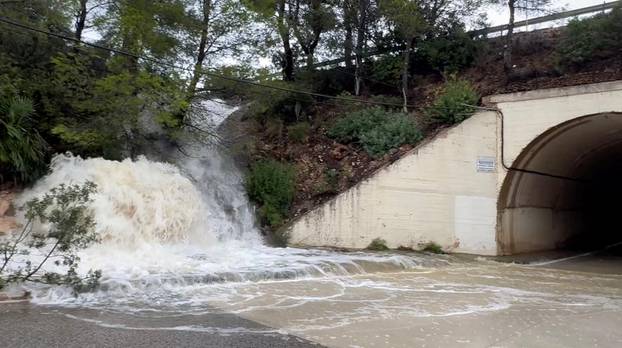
{"x": 472, "y": 304}
{"x": 451, "y": 302}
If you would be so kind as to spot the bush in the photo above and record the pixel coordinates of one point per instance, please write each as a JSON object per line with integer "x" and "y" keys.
{"x": 273, "y": 128}
{"x": 280, "y": 238}
{"x": 589, "y": 39}
{"x": 329, "y": 184}
{"x": 433, "y": 248}
{"x": 279, "y": 104}
{"x": 271, "y": 185}
{"x": 450, "y": 52}
{"x": 299, "y": 132}
{"x": 386, "y": 69}
{"x": 376, "y": 130}
{"x": 22, "y": 150}
{"x": 453, "y": 104}
{"x": 378, "y": 244}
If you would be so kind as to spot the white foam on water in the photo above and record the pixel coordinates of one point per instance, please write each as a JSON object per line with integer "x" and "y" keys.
{"x": 166, "y": 230}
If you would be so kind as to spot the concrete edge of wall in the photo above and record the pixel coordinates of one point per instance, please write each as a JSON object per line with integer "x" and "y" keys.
{"x": 553, "y": 92}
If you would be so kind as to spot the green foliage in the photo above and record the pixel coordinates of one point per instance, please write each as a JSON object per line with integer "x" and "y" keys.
{"x": 433, "y": 248}
{"x": 589, "y": 39}
{"x": 378, "y": 244}
{"x": 450, "y": 52}
{"x": 70, "y": 227}
{"x": 455, "y": 103}
{"x": 273, "y": 128}
{"x": 407, "y": 17}
{"x": 22, "y": 150}
{"x": 329, "y": 184}
{"x": 332, "y": 179}
{"x": 271, "y": 185}
{"x": 386, "y": 69}
{"x": 299, "y": 132}
{"x": 280, "y": 104}
{"x": 376, "y": 130}
{"x": 280, "y": 238}
{"x": 88, "y": 101}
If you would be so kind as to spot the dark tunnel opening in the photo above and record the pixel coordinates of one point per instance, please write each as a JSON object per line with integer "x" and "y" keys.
{"x": 602, "y": 209}
{"x": 579, "y": 205}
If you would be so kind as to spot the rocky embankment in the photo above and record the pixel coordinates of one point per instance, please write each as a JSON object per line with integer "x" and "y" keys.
{"x": 7, "y": 211}
{"x": 8, "y": 223}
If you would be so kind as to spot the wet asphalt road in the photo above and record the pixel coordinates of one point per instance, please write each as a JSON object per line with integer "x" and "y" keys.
{"x": 25, "y": 325}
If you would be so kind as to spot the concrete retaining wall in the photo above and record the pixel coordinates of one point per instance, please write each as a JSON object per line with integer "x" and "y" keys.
{"x": 435, "y": 194}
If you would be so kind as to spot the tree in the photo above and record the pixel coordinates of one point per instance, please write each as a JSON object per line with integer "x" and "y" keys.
{"x": 81, "y": 10}
{"x": 408, "y": 23}
{"x": 221, "y": 27}
{"x": 411, "y": 21}
{"x": 81, "y": 14}
{"x": 309, "y": 19}
{"x": 287, "y": 61}
{"x": 22, "y": 150}
{"x": 526, "y": 7}
{"x": 65, "y": 211}
{"x": 352, "y": 35}
{"x": 206, "y": 10}
{"x": 361, "y": 40}
{"x": 275, "y": 14}
{"x": 349, "y": 22}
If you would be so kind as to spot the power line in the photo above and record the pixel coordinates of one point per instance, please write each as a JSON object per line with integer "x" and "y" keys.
{"x": 173, "y": 66}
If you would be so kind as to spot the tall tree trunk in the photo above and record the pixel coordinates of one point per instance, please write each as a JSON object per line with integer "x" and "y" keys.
{"x": 405, "y": 73}
{"x": 131, "y": 62}
{"x": 308, "y": 44}
{"x": 288, "y": 53}
{"x": 348, "y": 45}
{"x": 81, "y": 19}
{"x": 198, "y": 66}
{"x": 310, "y": 60}
{"x": 360, "y": 44}
{"x": 507, "y": 52}
{"x": 311, "y": 51}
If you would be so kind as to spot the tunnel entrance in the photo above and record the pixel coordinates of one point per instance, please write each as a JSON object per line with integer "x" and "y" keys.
{"x": 566, "y": 189}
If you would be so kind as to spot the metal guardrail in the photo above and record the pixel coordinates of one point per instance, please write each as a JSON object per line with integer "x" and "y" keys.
{"x": 495, "y": 29}
{"x": 549, "y": 18}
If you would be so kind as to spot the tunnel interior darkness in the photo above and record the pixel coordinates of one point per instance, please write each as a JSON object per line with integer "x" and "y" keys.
{"x": 579, "y": 205}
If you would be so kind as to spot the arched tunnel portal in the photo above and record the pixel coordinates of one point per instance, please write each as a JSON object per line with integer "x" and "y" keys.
{"x": 564, "y": 191}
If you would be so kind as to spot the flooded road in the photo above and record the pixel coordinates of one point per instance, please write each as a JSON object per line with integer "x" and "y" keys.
{"x": 457, "y": 302}
{"x": 475, "y": 304}
{"x": 184, "y": 265}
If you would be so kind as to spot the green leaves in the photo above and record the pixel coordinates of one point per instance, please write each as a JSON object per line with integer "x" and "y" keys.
{"x": 455, "y": 103}
{"x": 376, "y": 130}
{"x": 22, "y": 150}
{"x": 406, "y": 16}
{"x": 70, "y": 226}
{"x": 589, "y": 39}
{"x": 271, "y": 184}
{"x": 65, "y": 209}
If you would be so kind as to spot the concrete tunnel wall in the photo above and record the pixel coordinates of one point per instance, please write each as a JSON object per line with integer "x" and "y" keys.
{"x": 453, "y": 190}
{"x": 567, "y": 132}
{"x": 547, "y": 210}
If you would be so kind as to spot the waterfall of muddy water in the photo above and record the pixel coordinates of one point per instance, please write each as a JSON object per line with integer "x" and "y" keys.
{"x": 168, "y": 228}
{"x": 179, "y": 245}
